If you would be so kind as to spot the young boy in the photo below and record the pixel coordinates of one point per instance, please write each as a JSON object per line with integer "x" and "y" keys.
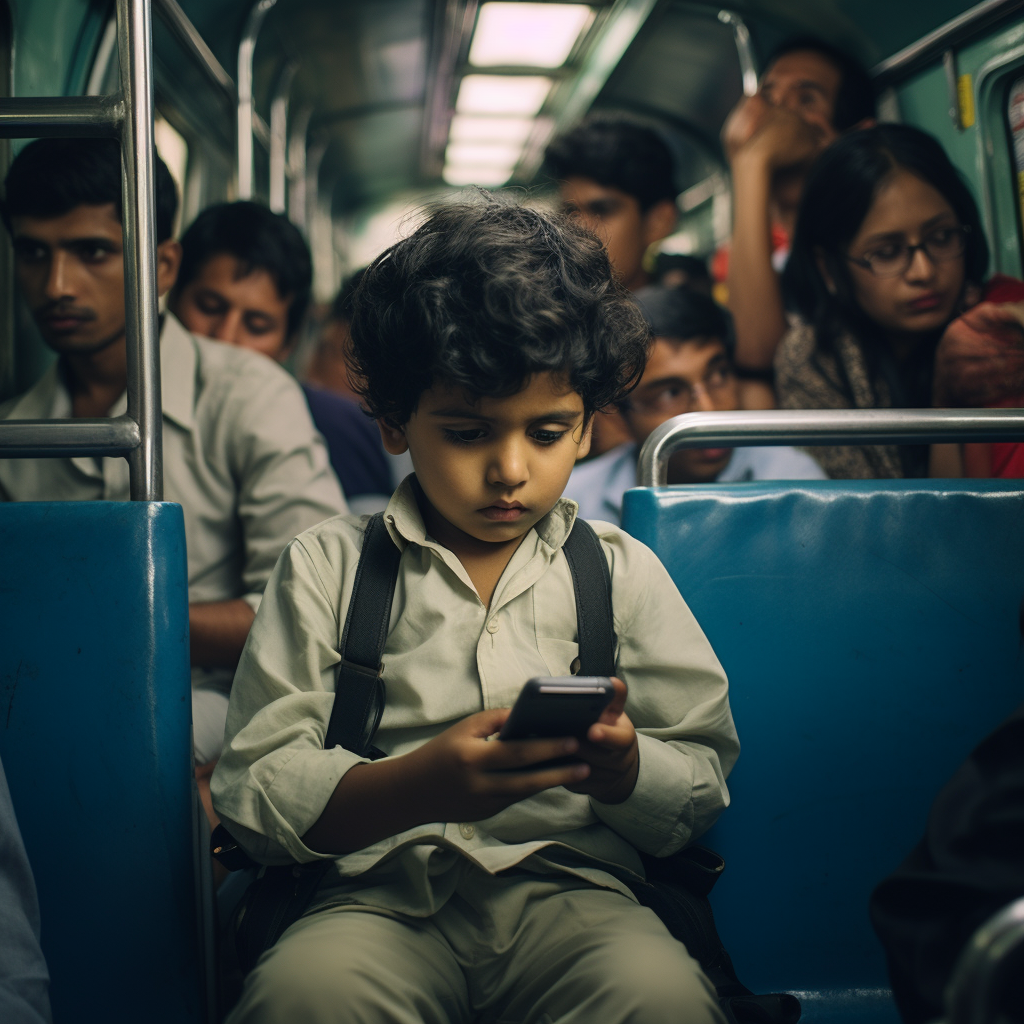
{"x": 689, "y": 370}
{"x": 463, "y": 891}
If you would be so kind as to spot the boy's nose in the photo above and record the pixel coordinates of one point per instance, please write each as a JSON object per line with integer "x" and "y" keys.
{"x": 229, "y": 328}
{"x": 508, "y": 466}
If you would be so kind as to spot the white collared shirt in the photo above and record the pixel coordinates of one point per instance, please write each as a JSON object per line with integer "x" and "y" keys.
{"x": 240, "y": 454}
{"x": 448, "y": 656}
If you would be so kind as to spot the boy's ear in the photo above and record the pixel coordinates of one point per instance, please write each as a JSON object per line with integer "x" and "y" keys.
{"x": 393, "y": 438}
{"x": 584, "y": 447}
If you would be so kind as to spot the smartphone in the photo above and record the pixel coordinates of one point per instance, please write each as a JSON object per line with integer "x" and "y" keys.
{"x": 553, "y": 706}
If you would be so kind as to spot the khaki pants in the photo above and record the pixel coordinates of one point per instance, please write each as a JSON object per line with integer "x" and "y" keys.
{"x": 517, "y": 947}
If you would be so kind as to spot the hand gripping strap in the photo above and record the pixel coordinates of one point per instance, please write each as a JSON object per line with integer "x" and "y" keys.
{"x": 359, "y": 690}
{"x": 592, "y": 584}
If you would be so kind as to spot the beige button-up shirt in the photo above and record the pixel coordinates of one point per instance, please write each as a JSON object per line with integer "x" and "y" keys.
{"x": 448, "y": 656}
{"x": 240, "y": 455}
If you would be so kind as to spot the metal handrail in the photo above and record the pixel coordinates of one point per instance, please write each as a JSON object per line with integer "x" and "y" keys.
{"x": 955, "y": 31}
{"x": 246, "y": 102}
{"x": 972, "y": 993}
{"x": 188, "y": 36}
{"x": 137, "y": 436}
{"x": 813, "y": 427}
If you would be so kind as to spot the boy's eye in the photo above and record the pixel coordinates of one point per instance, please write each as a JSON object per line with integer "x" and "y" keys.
{"x": 467, "y": 436}
{"x": 548, "y": 436}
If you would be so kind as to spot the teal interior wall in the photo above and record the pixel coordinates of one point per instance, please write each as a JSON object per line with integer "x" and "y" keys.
{"x": 982, "y": 152}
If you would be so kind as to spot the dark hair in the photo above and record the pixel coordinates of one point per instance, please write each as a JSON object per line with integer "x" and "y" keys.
{"x": 260, "y": 240}
{"x": 855, "y": 100}
{"x": 618, "y": 152}
{"x": 50, "y": 177}
{"x": 696, "y": 268}
{"x": 484, "y": 294}
{"x": 837, "y": 196}
{"x": 680, "y": 314}
{"x": 341, "y": 307}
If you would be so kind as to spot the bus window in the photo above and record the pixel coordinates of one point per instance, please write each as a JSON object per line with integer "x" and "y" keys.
{"x": 1015, "y": 120}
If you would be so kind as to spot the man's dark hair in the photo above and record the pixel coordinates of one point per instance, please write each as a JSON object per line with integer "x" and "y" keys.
{"x": 679, "y": 314}
{"x": 839, "y": 192}
{"x": 341, "y": 307}
{"x": 50, "y": 177}
{"x": 486, "y": 293}
{"x": 616, "y": 151}
{"x": 696, "y": 269}
{"x": 855, "y": 100}
{"x": 260, "y": 240}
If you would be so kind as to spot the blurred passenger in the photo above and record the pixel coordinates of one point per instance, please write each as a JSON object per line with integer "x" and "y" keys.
{"x": 24, "y": 979}
{"x": 689, "y": 370}
{"x": 968, "y": 866}
{"x": 678, "y": 270}
{"x": 245, "y": 279}
{"x": 810, "y": 93}
{"x": 888, "y": 249}
{"x": 617, "y": 175}
{"x": 328, "y": 367}
{"x": 240, "y": 452}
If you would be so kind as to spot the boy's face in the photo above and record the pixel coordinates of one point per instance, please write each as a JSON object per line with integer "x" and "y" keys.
{"x": 694, "y": 375}
{"x": 493, "y": 467}
{"x": 616, "y": 218}
{"x": 246, "y": 310}
{"x": 71, "y": 271}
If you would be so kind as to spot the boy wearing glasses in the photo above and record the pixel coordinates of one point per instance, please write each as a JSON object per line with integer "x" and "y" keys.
{"x": 689, "y": 369}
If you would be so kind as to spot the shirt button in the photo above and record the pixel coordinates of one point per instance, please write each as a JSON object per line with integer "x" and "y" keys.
{"x": 468, "y": 831}
{"x": 492, "y": 626}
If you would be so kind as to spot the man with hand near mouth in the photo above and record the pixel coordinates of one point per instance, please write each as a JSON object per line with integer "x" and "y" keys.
{"x": 240, "y": 452}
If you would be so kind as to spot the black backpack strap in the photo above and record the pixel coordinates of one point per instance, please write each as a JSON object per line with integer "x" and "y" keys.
{"x": 359, "y": 690}
{"x": 592, "y": 584}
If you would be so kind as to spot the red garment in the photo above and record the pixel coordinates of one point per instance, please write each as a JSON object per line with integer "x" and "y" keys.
{"x": 970, "y": 361}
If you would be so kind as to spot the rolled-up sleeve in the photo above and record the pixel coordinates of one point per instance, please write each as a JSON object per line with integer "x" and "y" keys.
{"x": 678, "y": 701}
{"x": 285, "y": 481}
{"x": 274, "y": 778}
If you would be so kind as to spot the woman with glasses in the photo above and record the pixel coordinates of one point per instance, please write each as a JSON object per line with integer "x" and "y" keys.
{"x": 888, "y": 250}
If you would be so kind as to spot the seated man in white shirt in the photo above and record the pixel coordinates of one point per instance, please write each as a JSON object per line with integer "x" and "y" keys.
{"x": 689, "y": 370}
{"x": 240, "y": 452}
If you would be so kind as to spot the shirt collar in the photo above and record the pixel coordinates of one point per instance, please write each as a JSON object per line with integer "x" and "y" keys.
{"x": 405, "y": 521}
{"x": 49, "y": 397}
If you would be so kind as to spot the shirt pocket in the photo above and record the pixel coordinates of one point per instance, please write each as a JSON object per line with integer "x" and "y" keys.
{"x": 559, "y": 655}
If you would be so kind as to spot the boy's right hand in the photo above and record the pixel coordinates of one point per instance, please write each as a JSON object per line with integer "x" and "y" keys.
{"x": 463, "y": 776}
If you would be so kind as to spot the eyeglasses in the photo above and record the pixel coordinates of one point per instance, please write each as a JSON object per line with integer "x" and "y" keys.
{"x": 673, "y": 398}
{"x": 894, "y": 258}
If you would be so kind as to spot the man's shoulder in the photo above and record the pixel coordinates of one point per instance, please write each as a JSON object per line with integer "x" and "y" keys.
{"x": 598, "y": 485}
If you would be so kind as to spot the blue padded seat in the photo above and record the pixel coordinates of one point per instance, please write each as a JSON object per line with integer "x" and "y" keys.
{"x": 872, "y": 635}
{"x": 95, "y": 738}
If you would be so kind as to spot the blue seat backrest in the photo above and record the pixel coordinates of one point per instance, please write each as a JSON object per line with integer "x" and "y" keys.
{"x": 95, "y": 738}
{"x": 871, "y": 633}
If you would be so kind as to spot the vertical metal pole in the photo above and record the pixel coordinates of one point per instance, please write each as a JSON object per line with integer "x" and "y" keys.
{"x": 246, "y": 49}
{"x": 279, "y": 138}
{"x": 134, "y": 28}
{"x": 297, "y": 169}
{"x": 744, "y": 50}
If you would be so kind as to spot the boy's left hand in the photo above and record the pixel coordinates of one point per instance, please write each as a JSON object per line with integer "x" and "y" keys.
{"x": 612, "y": 752}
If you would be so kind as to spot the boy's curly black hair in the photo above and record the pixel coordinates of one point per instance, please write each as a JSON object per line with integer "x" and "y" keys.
{"x": 486, "y": 293}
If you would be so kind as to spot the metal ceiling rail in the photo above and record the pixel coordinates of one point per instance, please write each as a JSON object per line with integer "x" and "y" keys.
{"x": 192, "y": 42}
{"x": 812, "y": 427}
{"x": 953, "y": 32}
{"x": 247, "y": 119}
{"x": 137, "y": 435}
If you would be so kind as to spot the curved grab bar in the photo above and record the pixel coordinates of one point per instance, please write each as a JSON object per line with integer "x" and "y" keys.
{"x": 819, "y": 427}
{"x": 973, "y": 990}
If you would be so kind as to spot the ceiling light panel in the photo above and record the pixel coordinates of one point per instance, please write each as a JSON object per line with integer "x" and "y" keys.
{"x": 527, "y": 34}
{"x": 487, "y": 177}
{"x": 469, "y": 128}
{"x": 502, "y": 94}
{"x": 489, "y": 154}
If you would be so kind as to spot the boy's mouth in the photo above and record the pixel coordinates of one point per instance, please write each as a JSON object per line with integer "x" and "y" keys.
{"x": 504, "y": 511}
